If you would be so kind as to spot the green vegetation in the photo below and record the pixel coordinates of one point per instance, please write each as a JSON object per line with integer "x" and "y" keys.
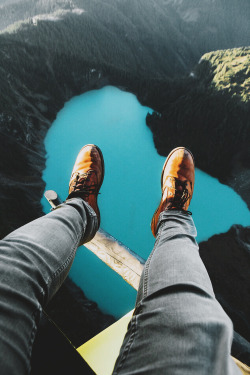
{"x": 231, "y": 72}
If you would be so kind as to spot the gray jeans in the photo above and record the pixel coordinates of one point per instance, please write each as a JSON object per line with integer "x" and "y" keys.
{"x": 178, "y": 326}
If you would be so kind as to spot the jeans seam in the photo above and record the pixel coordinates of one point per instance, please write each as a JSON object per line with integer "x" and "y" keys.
{"x": 64, "y": 265}
{"x": 128, "y": 345}
{"x": 145, "y": 283}
{"x": 35, "y": 315}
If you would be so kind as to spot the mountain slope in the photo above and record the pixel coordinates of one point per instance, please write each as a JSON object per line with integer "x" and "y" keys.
{"x": 209, "y": 113}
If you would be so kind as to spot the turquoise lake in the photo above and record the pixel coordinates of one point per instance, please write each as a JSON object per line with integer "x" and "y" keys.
{"x": 115, "y": 121}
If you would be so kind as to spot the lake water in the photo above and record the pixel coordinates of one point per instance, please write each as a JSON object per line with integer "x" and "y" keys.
{"x": 115, "y": 121}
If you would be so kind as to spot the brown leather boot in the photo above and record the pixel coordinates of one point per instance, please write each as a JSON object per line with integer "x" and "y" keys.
{"x": 87, "y": 176}
{"x": 177, "y": 183}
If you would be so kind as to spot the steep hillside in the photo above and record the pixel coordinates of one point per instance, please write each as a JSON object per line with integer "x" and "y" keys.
{"x": 209, "y": 112}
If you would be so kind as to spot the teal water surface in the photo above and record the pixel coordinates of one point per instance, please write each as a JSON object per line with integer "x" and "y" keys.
{"x": 115, "y": 121}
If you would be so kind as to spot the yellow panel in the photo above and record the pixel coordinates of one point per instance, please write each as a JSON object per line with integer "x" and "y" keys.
{"x": 244, "y": 368}
{"x": 102, "y": 350}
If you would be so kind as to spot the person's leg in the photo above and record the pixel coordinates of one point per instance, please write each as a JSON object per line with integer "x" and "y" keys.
{"x": 178, "y": 327}
{"x": 36, "y": 258}
{"x": 34, "y": 261}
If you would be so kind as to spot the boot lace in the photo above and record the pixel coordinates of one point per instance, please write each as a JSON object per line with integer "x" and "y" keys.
{"x": 181, "y": 196}
{"x": 80, "y": 187}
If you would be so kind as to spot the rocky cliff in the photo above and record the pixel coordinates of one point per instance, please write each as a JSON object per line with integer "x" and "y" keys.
{"x": 209, "y": 112}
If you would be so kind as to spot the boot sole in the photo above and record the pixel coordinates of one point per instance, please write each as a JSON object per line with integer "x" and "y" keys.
{"x": 162, "y": 173}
